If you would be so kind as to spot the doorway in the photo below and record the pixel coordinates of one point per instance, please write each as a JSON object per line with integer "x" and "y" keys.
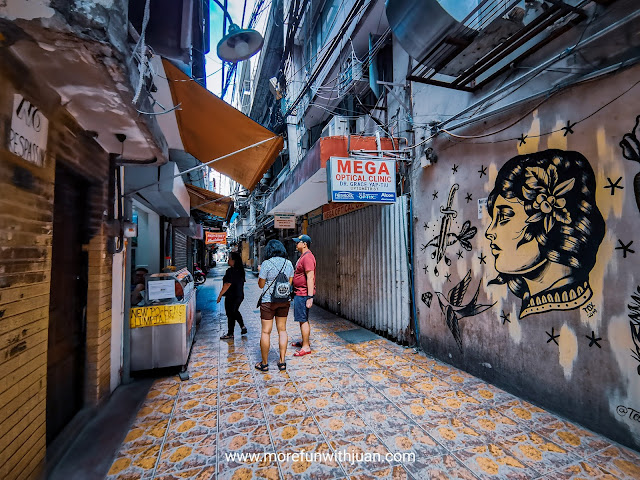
{"x": 68, "y": 301}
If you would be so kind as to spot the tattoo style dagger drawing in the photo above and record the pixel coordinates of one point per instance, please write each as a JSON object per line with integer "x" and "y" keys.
{"x": 447, "y": 238}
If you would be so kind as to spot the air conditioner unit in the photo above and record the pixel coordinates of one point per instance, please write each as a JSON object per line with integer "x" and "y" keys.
{"x": 337, "y": 126}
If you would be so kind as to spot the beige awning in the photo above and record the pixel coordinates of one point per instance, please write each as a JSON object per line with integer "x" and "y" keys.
{"x": 209, "y": 202}
{"x": 210, "y": 128}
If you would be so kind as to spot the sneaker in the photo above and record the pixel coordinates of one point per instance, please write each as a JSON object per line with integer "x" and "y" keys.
{"x": 226, "y": 336}
{"x": 243, "y": 331}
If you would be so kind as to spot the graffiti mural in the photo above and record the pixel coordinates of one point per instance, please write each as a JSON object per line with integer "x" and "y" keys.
{"x": 634, "y": 316}
{"x": 446, "y": 237}
{"x": 454, "y": 310}
{"x": 545, "y": 229}
{"x": 631, "y": 151}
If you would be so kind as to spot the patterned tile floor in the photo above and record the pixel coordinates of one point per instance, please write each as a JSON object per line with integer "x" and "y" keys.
{"x": 360, "y": 411}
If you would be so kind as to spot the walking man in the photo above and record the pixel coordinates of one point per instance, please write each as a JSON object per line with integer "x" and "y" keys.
{"x": 304, "y": 283}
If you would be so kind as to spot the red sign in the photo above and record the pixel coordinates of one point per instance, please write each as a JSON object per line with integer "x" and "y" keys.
{"x": 215, "y": 237}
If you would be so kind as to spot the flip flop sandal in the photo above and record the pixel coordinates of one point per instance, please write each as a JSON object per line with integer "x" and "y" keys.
{"x": 301, "y": 353}
{"x": 263, "y": 367}
{"x": 282, "y": 366}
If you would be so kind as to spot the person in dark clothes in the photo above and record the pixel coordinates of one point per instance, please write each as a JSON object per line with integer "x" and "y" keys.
{"x": 233, "y": 291}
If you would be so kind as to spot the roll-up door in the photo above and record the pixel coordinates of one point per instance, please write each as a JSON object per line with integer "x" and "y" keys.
{"x": 179, "y": 249}
{"x": 363, "y": 268}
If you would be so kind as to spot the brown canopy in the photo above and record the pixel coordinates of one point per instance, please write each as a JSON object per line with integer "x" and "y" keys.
{"x": 210, "y": 128}
{"x": 208, "y": 201}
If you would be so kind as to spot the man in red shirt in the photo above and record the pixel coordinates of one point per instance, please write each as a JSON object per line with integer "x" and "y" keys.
{"x": 304, "y": 284}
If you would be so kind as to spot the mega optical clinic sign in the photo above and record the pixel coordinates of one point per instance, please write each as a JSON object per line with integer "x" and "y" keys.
{"x": 361, "y": 180}
{"x": 29, "y": 130}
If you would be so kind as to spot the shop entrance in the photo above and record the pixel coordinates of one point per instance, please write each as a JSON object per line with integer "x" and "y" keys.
{"x": 68, "y": 300}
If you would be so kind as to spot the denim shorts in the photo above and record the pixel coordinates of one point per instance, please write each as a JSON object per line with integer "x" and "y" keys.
{"x": 300, "y": 310}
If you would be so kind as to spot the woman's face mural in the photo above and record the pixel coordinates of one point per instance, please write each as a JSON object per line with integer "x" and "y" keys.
{"x": 545, "y": 229}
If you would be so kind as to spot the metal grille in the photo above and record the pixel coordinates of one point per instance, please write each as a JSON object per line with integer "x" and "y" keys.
{"x": 363, "y": 268}
{"x": 496, "y": 34}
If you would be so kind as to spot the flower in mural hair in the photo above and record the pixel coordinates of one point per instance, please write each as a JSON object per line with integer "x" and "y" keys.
{"x": 543, "y": 189}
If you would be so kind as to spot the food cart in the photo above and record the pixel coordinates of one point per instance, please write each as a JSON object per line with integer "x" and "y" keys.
{"x": 163, "y": 326}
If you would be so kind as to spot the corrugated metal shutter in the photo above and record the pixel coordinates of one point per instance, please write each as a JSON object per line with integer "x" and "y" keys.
{"x": 179, "y": 249}
{"x": 363, "y": 268}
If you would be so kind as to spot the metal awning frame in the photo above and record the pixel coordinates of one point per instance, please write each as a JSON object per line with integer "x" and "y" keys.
{"x": 428, "y": 70}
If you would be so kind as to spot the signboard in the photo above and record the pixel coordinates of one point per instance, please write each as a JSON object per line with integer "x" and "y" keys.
{"x": 215, "y": 237}
{"x": 315, "y": 216}
{"x": 29, "y": 131}
{"x": 161, "y": 289}
{"x": 333, "y": 210}
{"x": 284, "y": 220}
{"x": 361, "y": 180}
{"x": 157, "y": 315}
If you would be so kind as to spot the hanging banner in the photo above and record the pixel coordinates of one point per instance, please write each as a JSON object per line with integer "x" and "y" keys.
{"x": 215, "y": 237}
{"x": 361, "y": 180}
{"x": 284, "y": 220}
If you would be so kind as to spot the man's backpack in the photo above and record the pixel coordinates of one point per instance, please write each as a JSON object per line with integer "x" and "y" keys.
{"x": 281, "y": 289}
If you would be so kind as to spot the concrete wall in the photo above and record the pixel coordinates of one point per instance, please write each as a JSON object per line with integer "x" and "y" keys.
{"x": 148, "y": 249}
{"x": 557, "y": 314}
{"x": 26, "y": 229}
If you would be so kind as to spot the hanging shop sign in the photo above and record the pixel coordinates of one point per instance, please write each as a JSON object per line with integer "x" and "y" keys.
{"x": 361, "y": 180}
{"x": 29, "y": 131}
{"x": 215, "y": 237}
{"x": 284, "y": 220}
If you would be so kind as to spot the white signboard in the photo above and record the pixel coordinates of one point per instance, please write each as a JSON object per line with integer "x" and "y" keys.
{"x": 361, "y": 180}
{"x": 161, "y": 289}
{"x": 29, "y": 131}
{"x": 284, "y": 220}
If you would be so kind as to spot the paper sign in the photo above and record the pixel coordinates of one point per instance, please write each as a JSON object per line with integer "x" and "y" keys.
{"x": 482, "y": 207}
{"x": 29, "y": 131}
{"x": 161, "y": 289}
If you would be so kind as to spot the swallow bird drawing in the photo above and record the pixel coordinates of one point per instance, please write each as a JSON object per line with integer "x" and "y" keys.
{"x": 446, "y": 237}
{"x": 454, "y": 310}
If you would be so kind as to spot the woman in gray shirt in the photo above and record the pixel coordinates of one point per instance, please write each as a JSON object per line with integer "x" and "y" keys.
{"x": 275, "y": 263}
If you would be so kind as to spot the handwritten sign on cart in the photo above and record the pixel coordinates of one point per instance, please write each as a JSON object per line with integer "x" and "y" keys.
{"x": 157, "y": 315}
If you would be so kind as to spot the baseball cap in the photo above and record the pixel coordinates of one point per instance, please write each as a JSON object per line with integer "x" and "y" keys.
{"x": 303, "y": 238}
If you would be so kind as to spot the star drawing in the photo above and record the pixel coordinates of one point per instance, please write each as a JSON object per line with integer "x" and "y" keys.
{"x": 625, "y": 248}
{"x": 482, "y": 258}
{"x": 426, "y": 269}
{"x": 505, "y": 317}
{"x": 523, "y": 139}
{"x": 426, "y": 225}
{"x": 553, "y": 336}
{"x": 593, "y": 340}
{"x": 459, "y": 253}
{"x": 434, "y": 195}
{"x": 482, "y": 171}
{"x": 468, "y": 198}
{"x": 448, "y": 277}
{"x": 569, "y": 128}
{"x": 455, "y": 168}
{"x": 614, "y": 185}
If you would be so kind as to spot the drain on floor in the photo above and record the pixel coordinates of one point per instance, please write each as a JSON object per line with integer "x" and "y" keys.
{"x": 357, "y": 335}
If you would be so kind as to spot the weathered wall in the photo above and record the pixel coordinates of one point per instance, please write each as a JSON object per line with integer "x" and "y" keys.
{"x": 26, "y": 229}
{"x": 555, "y": 264}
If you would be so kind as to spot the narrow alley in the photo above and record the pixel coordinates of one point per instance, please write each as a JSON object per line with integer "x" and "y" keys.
{"x": 359, "y": 407}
